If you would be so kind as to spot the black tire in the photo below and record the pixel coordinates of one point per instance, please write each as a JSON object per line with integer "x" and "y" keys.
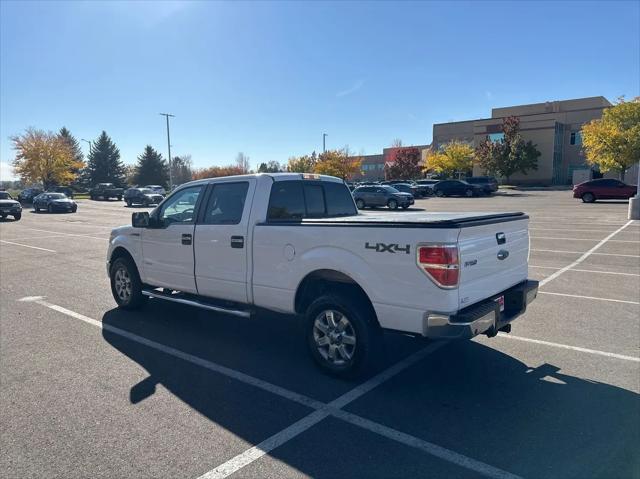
{"x": 36, "y": 209}
{"x": 360, "y": 204}
{"x": 439, "y": 193}
{"x": 468, "y": 193}
{"x": 134, "y": 299}
{"x": 119, "y": 198}
{"x": 368, "y": 347}
{"x": 49, "y": 209}
{"x": 392, "y": 204}
{"x": 589, "y": 198}
{"x": 129, "y": 203}
{"x": 404, "y": 207}
{"x": 74, "y": 209}
{"x": 17, "y": 216}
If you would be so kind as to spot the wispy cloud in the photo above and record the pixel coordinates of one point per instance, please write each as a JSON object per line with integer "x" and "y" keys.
{"x": 354, "y": 88}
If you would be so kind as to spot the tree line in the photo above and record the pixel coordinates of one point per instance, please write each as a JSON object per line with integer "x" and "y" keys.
{"x": 53, "y": 159}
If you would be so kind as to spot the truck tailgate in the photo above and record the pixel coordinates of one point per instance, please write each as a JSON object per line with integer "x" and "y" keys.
{"x": 493, "y": 257}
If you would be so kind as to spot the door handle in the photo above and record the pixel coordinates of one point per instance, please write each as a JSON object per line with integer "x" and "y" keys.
{"x": 237, "y": 241}
{"x": 186, "y": 239}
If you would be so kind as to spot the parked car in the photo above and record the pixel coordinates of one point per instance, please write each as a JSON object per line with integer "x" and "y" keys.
{"x": 28, "y": 194}
{"x": 418, "y": 191}
{"x": 428, "y": 185}
{"x": 489, "y": 183}
{"x": 157, "y": 189}
{"x": 64, "y": 189}
{"x": 457, "y": 188}
{"x": 603, "y": 189}
{"x": 407, "y": 188}
{"x": 106, "y": 191}
{"x": 381, "y": 195}
{"x": 142, "y": 196}
{"x": 9, "y": 206}
{"x": 52, "y": 202}
{"x": 347, "y": 276}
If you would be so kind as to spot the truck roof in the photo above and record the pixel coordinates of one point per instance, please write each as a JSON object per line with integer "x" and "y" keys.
{"x": 273, "y": 176}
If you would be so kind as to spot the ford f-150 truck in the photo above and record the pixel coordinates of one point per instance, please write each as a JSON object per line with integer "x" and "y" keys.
{"x": 295, "y": 243}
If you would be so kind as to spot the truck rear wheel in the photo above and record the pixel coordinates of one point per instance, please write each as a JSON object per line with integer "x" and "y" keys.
{"x": 126, "y": 286}
{"x": 342, "y": 339}
{"x": 360, "y": 204}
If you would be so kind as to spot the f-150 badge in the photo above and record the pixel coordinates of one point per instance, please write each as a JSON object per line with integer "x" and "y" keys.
{"x": 388, "y": 248}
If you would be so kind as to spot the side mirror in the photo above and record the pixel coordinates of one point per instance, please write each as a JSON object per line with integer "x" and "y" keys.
{"x": 140, "y": 219}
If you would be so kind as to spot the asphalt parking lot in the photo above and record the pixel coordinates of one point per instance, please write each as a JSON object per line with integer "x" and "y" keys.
{"x": 171, "y": 391}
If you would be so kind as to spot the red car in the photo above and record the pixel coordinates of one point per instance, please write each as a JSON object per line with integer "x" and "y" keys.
{"x": 603, "y": 189}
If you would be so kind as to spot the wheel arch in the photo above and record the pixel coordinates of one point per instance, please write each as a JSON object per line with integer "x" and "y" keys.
{"x": 122, "y": 252}
{"x": 322, "y": 281}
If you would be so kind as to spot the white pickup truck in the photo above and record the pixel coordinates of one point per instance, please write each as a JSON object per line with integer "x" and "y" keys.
{"x": 295, "y": 243}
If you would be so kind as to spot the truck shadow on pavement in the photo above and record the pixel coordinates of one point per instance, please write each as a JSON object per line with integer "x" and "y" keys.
{"x": 535, "y": 421}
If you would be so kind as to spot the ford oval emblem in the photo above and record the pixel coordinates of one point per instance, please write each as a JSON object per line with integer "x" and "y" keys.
{"x": 503, "y": 254}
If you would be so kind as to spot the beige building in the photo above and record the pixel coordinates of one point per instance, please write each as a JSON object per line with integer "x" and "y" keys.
{"x": 554, "y": 127}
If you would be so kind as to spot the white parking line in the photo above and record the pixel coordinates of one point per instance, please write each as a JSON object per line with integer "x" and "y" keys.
{"x": 589, "y": 297}
{"x": 322, "y": 410}
{"x": 60, "y": 235}
{"x": 27, "y": 246}
{"x": 581, "y": 252}
{"x": 571, "y": 348}
{"x": 586, "y": 270}
{"x": 586, "y": 255}
{"x": 583, "y": 239}
{"x": 571, "y": 230}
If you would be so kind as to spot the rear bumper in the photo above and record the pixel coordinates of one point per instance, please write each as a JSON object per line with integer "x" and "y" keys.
{"x": 484, "y": 317}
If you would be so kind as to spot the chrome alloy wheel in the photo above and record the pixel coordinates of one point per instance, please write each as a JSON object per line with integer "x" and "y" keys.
{"x": 335, "y": 337}
{"x": 122, "y": 283}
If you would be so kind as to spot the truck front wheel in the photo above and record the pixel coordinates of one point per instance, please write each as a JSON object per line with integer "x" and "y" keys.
{"x": 342, "y": 339}
{"x": 126, "y": 286}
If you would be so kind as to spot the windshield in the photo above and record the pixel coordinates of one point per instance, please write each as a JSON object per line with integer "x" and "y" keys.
{"x": 57, "y": 196}
{"x": 5, "y": 196}
{"x": 146, "y": 191}
{"x": 389, "y": 189}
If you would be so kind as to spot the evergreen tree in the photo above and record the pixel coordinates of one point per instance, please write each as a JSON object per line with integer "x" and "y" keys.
{"x": 76, "y": 152}
{"x": 104, "y": 165}
{"x": 151, "y": 169}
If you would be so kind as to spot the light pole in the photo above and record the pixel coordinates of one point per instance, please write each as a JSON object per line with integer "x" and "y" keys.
{"x": 90, "y": 144}
{"x": 324, "y": 144}
{"x": 167, "y": 115}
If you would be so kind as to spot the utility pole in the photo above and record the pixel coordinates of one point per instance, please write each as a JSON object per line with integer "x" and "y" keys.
{"x": 324, "y": 144}
{"x": 167, "y": 115}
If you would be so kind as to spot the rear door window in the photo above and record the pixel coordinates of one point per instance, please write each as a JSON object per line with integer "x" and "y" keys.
{"x": 294, "y": 200}
{"x": 286, "y": 201}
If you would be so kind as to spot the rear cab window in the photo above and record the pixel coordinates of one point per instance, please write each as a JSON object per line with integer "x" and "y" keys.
{"x": 298, "y": 199}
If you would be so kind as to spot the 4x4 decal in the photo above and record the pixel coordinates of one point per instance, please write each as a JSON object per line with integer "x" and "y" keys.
{"x": 388, "y": 248}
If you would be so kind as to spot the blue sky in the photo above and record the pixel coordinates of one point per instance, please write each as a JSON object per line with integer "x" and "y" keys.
{"x": 269, "y": 78}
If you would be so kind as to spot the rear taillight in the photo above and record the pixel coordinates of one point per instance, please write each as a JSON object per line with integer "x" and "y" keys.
{"x": 440, "y": 263}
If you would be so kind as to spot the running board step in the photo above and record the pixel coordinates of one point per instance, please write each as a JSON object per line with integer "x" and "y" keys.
{"x": 198, "y": 304}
